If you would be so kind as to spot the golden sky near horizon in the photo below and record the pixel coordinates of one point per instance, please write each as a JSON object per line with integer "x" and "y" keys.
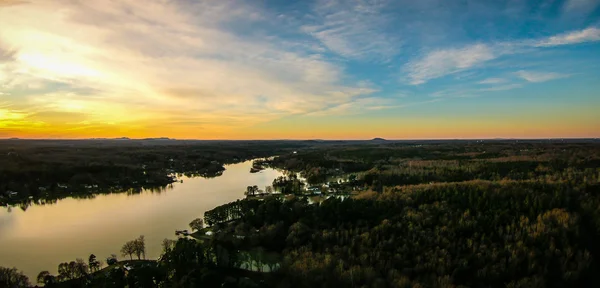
{"x": 240, "y": 70}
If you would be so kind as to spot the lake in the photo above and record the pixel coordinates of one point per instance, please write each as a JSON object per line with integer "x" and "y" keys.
{"x": 43, "y": 236}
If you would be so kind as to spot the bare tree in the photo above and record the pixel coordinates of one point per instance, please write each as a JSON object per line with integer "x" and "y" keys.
{"x": 140, "y": 247}
{"x": 81, "y": 267}
{"x": 136, "y": 246}
{"x": 128, "y": 249}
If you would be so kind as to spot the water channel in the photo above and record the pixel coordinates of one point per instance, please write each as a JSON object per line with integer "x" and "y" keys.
{"x": 43, "y": 236}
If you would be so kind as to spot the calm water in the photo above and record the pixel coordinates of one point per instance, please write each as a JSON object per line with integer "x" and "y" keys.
{"x": 45, "y": 235}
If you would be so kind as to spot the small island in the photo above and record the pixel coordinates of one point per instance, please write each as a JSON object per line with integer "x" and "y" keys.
{"x": 258, "y": 165}
{"x": 256, "y": 169}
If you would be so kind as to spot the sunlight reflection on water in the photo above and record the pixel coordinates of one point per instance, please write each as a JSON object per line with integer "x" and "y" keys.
{"x": 43, "y": 236}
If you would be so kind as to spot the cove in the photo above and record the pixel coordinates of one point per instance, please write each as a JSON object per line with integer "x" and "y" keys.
{"x": 43, "y": 236}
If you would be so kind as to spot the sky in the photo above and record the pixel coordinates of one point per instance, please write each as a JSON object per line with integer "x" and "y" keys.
{"x": 322, "y": 69}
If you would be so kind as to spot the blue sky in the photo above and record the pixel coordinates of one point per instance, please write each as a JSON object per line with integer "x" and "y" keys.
{"x": 275, "y": 69}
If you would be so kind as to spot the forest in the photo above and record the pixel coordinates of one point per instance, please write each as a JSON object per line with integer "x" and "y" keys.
{"x": 447, "y": 214}
{"x": 42, "y": 171}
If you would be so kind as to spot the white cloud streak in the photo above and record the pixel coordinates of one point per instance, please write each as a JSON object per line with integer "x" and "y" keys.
{"x": 447, "y": 61}
{"x": 442, "y": 62}
{"x": 492, "y": 81}
{"x": 501, "y": 88}
{"x": 590, "y": 34}
{"x": 535, "y": 77}
{"x": 353, "y": 29}
{"x": 357, "y": 106}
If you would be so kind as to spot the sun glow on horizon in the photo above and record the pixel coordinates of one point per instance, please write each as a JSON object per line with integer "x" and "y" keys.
{"x": 232, "y": 70}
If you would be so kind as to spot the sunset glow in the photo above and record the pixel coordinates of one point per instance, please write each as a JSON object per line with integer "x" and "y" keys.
{"x": 299, "y": 70}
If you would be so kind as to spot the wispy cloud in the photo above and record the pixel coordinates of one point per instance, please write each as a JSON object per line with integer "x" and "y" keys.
{"x": 168, "y": 58}
{"x": 11, "y": 2}
{"x": 534, "y": 76}
{"x": 225, "y": 66}
{"x": 357, "y": 106}
{"x": 6, "y": 55}
{"x": 442, "y": 62}
{"x": 492, "y": 81}
{"x": 447, "y": 61}
{"x": 467, "y": 92}
{"x": 590, "y": 34}
{"x": 366, "y": 105}
{"x": 501, "y": 87}
{"x": 353, "y": 28}
{"x": 585, "y": 6}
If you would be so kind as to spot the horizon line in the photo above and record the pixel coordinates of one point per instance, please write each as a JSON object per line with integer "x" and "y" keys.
{"x": 287, "y": 139}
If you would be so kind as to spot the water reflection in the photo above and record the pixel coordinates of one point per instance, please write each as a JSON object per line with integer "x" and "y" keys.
{"x": 39, "y": 235}
{"x": 131, "y": 191}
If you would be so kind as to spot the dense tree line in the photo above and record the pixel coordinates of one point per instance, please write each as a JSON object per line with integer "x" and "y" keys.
{"x": 13, "y": 278}
{"x": 474, "y": 234}
{"x": 183, "y": 263}
{"x": 469, "y": 234}
{"x": 510, "y": 215}
{"x": 403, "y": 164}
{"x": 42, "y": 171}
{"x": 465, "y": 214}
{"x": 231, "y": 211}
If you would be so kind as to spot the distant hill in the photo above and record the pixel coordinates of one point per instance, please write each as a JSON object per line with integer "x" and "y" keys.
{"x": 160, "y": 138}
{"x": 378, "y": 139}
